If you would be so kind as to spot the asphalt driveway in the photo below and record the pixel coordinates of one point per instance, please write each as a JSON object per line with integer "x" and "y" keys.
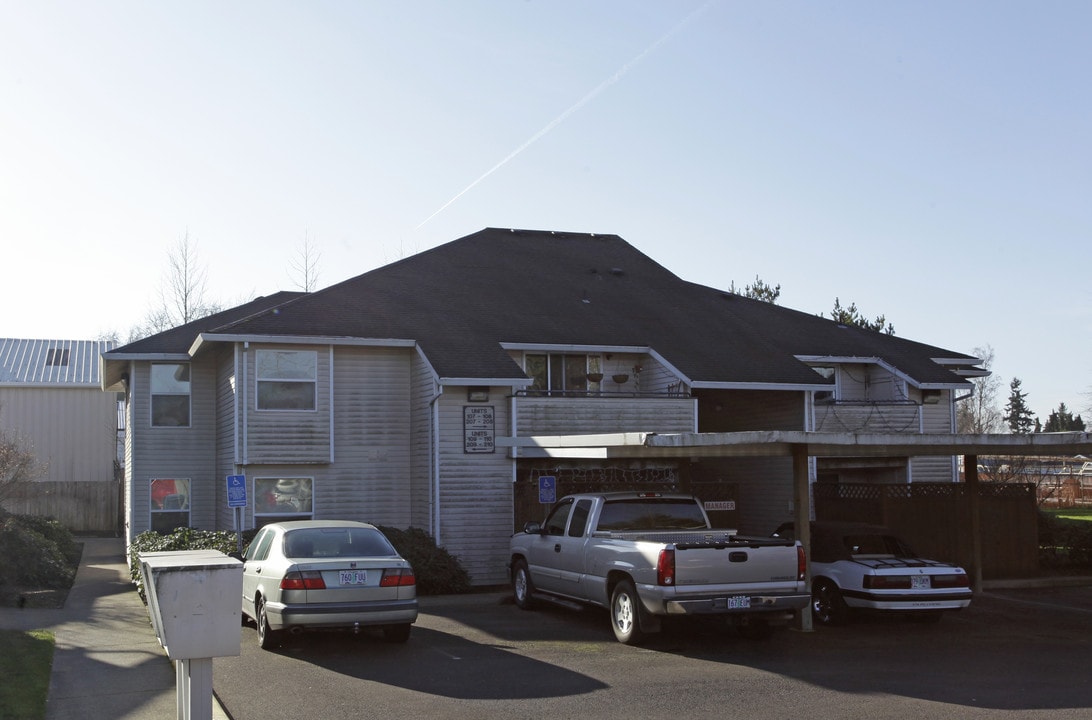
{"x": 1013, "y": 653}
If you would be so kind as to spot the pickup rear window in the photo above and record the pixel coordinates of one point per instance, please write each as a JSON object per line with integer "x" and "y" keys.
{"x": 658, "y": 514}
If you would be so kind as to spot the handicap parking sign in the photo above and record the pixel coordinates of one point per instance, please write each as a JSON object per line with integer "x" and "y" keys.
{"x": 236, "y": 491}
{"x": 547, "y": 489}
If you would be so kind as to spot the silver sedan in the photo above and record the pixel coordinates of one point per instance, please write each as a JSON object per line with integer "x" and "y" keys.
{"x": 326, "y": 574}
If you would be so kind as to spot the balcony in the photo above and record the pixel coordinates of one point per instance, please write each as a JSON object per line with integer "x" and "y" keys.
{"x": 585, "y": 413}
{"x": 868, "y": 417}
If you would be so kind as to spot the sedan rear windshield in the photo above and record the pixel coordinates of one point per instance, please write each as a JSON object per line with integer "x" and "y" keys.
{"x": 336, "y": 542}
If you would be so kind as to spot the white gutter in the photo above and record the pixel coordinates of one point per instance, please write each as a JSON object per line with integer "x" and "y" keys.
{"x": 434, "y": 465}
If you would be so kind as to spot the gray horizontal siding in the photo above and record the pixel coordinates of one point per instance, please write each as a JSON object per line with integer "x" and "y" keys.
{"x": 581, "y": 416}
{"x": 476, "y": 495}
{"x": 289, "y": 437}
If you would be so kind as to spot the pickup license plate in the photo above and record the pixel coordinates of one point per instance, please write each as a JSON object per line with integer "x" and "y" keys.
{"x": 352, "y": 577}
{"x": 738, "y": 602}
{"x": 920, "y": 582}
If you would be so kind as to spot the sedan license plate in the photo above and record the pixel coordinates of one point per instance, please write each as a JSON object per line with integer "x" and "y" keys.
{"x": 920, "y": 582}
{"x": 352, "y": 577}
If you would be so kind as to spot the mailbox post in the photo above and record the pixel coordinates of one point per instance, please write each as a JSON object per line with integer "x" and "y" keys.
{"x": 194, "y": 599}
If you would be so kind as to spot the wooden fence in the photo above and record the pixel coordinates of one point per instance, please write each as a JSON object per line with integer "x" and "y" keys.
{"x": 82, "y": 507}
{"x": 935, "y": 519}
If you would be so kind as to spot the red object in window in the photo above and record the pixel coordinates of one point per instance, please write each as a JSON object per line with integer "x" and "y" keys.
{"x": 161, "y": 489}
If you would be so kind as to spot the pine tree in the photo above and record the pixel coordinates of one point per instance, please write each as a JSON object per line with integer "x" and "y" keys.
{"x": 1062, "y": 420}
{"x": 1017, "y": 414}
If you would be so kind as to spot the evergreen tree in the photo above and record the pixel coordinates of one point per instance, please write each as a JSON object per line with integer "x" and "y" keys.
{"x": 1017, "y": 414}
{"x": 760, "y": 290}
{"x": 852, "y": 316}
{"x": 1062, "y": 420}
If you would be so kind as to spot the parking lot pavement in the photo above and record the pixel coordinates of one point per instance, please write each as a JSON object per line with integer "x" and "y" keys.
{"x": 1016, "y": 652}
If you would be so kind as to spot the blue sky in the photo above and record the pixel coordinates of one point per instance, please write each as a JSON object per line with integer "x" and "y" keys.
{"x": 928, "y": 161}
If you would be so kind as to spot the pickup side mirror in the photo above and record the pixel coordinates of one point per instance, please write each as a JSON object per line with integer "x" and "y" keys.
{"x": 532, "y": 528}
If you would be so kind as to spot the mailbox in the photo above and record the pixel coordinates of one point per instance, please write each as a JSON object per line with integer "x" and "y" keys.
{"x": 194, "y": 599}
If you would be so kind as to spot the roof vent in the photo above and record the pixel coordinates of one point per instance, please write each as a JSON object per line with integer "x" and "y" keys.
{"x": 617, "y": 271}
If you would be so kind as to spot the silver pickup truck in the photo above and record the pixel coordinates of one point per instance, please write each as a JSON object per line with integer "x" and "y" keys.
{"x": 644, "y": 556}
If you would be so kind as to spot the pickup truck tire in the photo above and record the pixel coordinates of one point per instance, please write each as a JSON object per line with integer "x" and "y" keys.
{"x": 827, "y": 605}
{"x": 625, "y": 614}
{"x": 522, "y": 587}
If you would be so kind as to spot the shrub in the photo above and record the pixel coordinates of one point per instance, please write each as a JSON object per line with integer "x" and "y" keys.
{"x": 438, "y": 572}
{"x": 37, "y": 553}
{"x": 181, "y": 539}
{"x": 1064, "y": 543}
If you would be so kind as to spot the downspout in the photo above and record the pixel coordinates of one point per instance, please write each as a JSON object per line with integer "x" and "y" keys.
{"x": 434, "y": 464}
{"x": 243, "y": 399}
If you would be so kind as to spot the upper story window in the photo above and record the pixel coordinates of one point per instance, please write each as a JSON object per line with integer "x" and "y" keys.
{"x": 829, "y": 374}
{"x": 170, "y": 395}
{"x": 562, "y": 372}
{"x": 287, "y": 379}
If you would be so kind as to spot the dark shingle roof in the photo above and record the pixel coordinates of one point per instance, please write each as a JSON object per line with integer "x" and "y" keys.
{"x": 179, "y": 339}
{"x": 461, "y": 300}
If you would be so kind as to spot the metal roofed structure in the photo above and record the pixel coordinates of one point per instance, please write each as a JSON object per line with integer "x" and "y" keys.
{"x": 25, "y": 363}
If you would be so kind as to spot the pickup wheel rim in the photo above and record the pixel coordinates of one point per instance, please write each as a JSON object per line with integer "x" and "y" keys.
{"x": 624, "y": 613}
{"x": 521, "y": 584}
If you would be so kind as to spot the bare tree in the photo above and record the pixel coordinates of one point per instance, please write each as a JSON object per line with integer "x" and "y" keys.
{"x": 18, "y": 465}
{"x": 181, "y": 296}
{"x": 305, "y": 265}
{"x": 980, "y": 413}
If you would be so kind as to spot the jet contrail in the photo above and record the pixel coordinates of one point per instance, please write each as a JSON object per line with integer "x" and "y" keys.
{"x": 579, "y": 104}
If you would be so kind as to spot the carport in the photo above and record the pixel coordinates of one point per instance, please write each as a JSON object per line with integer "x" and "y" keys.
{"x": 801, "y": 445}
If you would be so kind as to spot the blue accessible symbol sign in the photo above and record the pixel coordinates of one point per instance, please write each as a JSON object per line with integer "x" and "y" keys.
{"x": 236, "y": 491}
{"x": 547, "y": 489}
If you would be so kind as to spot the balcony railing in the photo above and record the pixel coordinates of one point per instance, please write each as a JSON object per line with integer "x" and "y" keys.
{"x": 607, "y": 412}
{"x": 877, "y": 417}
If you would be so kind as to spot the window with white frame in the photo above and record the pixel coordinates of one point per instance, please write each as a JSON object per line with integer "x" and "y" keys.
{"x": 283, "y": 498}
{"x": 562, "y": 372}
{"x": 287, "y": 379}
{"x": 170, "y": 393}
{"x": 170, "y": 501}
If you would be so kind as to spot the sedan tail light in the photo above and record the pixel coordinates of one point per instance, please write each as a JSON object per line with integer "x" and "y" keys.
{"x": 303, "y": 580}
{"x": 396, "y": 577}
{"x": 887, "y": 582}
{"x": 951, "y": 581}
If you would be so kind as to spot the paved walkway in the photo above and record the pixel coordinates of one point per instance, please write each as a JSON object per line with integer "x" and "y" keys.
{"x": 108, "y": 663}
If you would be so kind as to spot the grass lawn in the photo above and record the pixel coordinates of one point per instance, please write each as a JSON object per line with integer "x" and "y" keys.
{"x": 1072, "y": 513}
{"x": 25, "y": 662}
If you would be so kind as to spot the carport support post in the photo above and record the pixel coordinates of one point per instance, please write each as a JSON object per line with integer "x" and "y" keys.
{"x": 801, "y": 495}
{"x": 970, "y": 473}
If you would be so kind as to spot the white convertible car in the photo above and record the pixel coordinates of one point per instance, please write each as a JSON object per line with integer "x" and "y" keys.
{"x": 858, "y": 566}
